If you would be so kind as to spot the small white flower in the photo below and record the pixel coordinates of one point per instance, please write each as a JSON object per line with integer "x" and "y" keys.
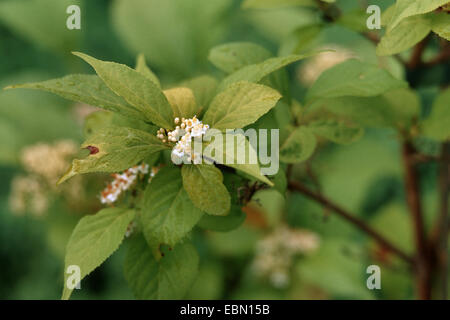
{"x": 122, "y": 182}
{"x": 182, "y": 136}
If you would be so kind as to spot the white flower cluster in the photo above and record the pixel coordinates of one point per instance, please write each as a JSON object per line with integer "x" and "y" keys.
{"x": 49, "y": 161}
{"x": 122, "y": 182}
{"x": 185, "y": 130}
{"x": 28, "y": 194}
{"x": 275, "y": 253}
{"x": 44, "y": 164}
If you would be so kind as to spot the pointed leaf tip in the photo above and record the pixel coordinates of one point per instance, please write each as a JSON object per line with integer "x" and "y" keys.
{"x": 69, "y": 174}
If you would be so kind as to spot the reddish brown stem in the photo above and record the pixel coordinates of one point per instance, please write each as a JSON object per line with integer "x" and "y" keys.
{"x": 360, "y": 224}
{"x": 416, "y": 57}
{"x": 443, "y": 56}
{"x": 441, "y": 228}
{"x": 423, "y": 265}
{"x": 373, "y": 37}
{"x": 445, "y": 188}
{"x": 424, "y": 158}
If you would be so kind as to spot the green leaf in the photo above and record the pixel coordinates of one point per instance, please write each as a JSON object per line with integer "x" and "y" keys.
{"x": 94, "y": 239}
{"x": 395, "y": 108}
{"x": 387, "y": 15}
{"x": 135, "y": 88}
{"x": 336, "y": 130}
{"x": 169, "y": 278}
{"x": 233, "y": 56}
{"x": 89, "y": 89}
{"x": 221, "y": 152}
{"x": 99, "y": 120}
{"x": 271, "y": 4}
{"x": 406, "y": 34}
{"x": 408, "y": 8}
{"x": 403, "y": 105}
{"x": 441, "y": 25}
{"x": 141, "y": 67}
{"x": 256, "y": 72}
{"x": 239, "y": 105}
{"x": 353, "y": 78}
{"x": 168, "y": 214}
{"x": 299, "y": 146}
{"x": 236, "y": 216}
{"x": 354, "y": 20}
{"x": 369, "y": 112}
{"x": 183, "y": 103}
{"x": 280, "y": 181}
{"x": 300, "y": 39}
{"x": 204, "y": 88}
{"x": 204, "y": 185}
{"x": 115, "y": 149}
{"x": 437, "y": 125}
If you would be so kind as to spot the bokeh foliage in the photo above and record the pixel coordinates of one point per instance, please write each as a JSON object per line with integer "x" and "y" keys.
{"x": 176, "y": 37}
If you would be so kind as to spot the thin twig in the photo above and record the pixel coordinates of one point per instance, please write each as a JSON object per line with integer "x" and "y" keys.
{"x": 372, "y": 36}
{"x": 445, "y": 178}
{"x": 443, "y": 56}
{"x": 315, "y": 181}
{"x": 439, "y": 237}
{"x": 360, "y": 224}
{"x": 423, "y": 271}
{"x": 313, "y": 177}
{"x": 416, "y": 57}
{"x": 424, "y": 158}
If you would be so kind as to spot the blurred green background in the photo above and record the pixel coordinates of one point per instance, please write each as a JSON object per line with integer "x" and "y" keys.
{"x": 176, "y": 35}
